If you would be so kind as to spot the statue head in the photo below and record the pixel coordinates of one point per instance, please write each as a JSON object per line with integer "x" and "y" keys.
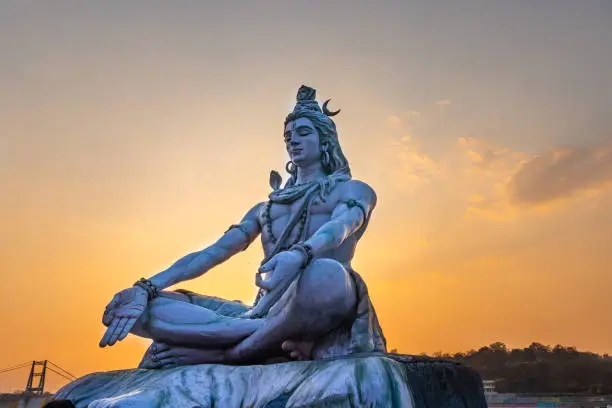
{"x": 310, "y": 135}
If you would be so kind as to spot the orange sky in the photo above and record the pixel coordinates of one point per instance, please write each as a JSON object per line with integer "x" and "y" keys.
{"x": 130, "y": 137}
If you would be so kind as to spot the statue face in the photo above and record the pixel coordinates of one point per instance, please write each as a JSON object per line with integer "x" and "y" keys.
{"x": 302, "y": 142}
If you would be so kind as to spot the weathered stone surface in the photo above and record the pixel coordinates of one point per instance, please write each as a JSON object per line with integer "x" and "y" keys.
{"x": 367, "y": 381}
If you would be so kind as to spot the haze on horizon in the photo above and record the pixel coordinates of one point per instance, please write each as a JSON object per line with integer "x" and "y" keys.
{"x": 134, "y": 133}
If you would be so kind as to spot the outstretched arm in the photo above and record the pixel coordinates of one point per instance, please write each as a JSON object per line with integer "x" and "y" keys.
{"x": 128, "y": 305}
{"x": 237, "y": 238}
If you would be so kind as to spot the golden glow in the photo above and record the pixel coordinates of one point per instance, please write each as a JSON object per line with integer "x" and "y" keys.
{"x": 127, "y": 141}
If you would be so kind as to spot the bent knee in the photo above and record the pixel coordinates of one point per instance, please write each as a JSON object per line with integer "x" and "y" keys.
{"x": 326, "y": 283}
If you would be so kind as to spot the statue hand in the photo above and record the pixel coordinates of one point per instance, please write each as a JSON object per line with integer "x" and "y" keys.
{"x": 283, "y": 267}
{"x": 121, "y": 314}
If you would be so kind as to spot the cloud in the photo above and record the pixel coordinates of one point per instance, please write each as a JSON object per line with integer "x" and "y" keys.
{"x": 443, "y": 102}
{"x": 396, "y": 120}
{"x": 484, "y": 170}
{"x": 402, "y": 119}
{"x": 415, "y": 166}
{"x": 496, "y": 182}
{"x": 485, "y": 157}
{"x": 561, "y": 173}
{"x": 411, "y": 166}
{"x": 502, "y": 184}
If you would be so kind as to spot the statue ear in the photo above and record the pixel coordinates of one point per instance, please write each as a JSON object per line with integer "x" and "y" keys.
{"x": 275, "y": 180}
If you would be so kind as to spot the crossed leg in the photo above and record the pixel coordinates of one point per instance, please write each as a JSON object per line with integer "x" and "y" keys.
{"x": 324, "y": 298}
{"x": 169, "y": 318}
{"x": 184, "y": 333}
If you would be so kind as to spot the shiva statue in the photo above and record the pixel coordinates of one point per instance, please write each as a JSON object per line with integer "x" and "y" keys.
{"x": 311, "y": 304}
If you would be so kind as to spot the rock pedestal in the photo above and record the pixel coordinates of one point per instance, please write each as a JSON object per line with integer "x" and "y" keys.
{"x": 381, "y": 380}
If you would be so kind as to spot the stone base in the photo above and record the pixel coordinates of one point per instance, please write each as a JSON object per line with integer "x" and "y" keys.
{"x": 436, "y": 383}
{"x": 381, "y": 380}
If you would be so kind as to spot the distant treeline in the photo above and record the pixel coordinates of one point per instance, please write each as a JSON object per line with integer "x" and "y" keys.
{"x": 540, "y": 369}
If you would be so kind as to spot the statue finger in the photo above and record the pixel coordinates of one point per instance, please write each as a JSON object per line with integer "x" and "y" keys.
{"x": 159, "y": 347}
{"x": 109, "y": 332}
{"x": 126, "y": 329}
{"x": 114, "y": 302}
{"x": 264, "y": 284}
{"x": 259, "y": 281}
{"x": 111, "y": 328}
{"x": 107, "y": 318}
{"x": 168, "y": 361}
{"x": 108, "y": 310}
{"x": 164, "y": 355}
{"x": 117, "y": 331}
{"x": 268, "y": 266}
{"x": 154, "y": 365}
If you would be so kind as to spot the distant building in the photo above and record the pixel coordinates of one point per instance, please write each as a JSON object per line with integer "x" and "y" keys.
{"x": 24, "y": 400}
{"x": 489, "y": 387}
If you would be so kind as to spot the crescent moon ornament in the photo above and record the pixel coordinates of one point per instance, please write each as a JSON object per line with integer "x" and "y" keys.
{"x": 327, "y": 111}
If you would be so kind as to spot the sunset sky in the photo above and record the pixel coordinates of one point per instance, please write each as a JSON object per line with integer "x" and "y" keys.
{"x": 132, "y": 133}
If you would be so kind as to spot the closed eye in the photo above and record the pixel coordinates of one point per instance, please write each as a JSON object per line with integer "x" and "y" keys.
{"x": 304, "y": 130}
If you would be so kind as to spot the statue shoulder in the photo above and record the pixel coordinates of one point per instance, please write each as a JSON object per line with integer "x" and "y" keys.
{"x": 255, "y": 213}
{"x": 359, "y": 191}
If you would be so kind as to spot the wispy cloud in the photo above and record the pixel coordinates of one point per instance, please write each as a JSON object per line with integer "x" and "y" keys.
{"x": 402, "y": 118}
{"x": 495, "y": 182}
{"x": 562, "y": 173}
{"x": 484, "y": 173}
{"x": 413, "y": 166}
{"x": 443, "y": 102}
{"x": 503, "y": 184}
{"x": 395, "y": 119}
{"x": 485, "y": 157}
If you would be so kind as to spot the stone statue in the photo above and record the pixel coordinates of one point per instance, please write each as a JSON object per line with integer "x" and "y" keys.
{"x": 311, "y": 303}
{"x": 311, "y": 339}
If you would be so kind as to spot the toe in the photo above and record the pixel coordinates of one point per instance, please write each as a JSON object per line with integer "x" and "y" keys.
{"x": 289, "y": 345}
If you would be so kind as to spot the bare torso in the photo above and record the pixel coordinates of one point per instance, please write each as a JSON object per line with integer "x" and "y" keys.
{"x": 321, "y": 212}
{"x": 322, "y": 243}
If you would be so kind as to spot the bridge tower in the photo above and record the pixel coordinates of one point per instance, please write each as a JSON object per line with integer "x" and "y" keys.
{"x": 40, "y": 374}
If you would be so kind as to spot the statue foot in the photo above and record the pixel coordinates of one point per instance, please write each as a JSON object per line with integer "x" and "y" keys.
{"x": 299, "y": 350}
{"x": 161, "y": 355}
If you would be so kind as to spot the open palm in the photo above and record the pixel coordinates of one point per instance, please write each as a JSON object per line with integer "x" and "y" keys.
{"x": 121, "y": 314}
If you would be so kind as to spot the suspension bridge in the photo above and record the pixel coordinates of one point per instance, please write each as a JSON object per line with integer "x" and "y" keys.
{"x": 38, "y": 374}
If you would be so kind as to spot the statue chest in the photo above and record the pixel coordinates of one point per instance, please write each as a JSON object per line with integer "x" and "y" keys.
{"x": 274, "y": 218}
